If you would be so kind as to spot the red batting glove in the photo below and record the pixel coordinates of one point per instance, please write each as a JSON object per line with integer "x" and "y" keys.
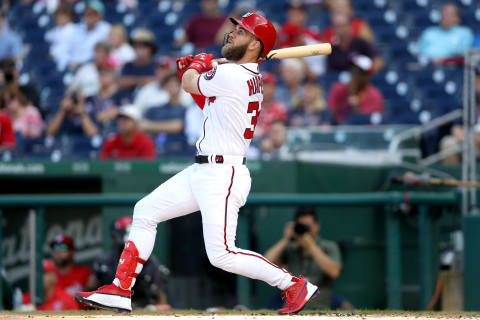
{"x": 201, "y": 62}
{"x": 182, "y": 65}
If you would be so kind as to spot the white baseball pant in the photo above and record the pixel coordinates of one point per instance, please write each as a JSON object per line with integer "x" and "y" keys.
{"x": 218, "y": 191}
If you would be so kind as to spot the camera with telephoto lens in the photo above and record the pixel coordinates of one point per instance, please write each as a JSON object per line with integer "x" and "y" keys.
{"x": 300, "y": 229}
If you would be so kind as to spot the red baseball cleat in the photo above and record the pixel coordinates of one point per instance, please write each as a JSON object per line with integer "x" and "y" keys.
{"x": 298, "y": 295}
{"x": 109, "y": 297}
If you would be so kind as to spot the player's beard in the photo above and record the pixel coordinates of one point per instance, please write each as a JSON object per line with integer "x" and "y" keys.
{"x": 233, "y": 53}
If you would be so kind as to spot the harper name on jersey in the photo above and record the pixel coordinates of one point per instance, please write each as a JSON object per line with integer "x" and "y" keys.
{"x": 230, "y": 119}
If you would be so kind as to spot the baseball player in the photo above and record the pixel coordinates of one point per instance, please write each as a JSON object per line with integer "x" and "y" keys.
{"x": 230, "y": 95}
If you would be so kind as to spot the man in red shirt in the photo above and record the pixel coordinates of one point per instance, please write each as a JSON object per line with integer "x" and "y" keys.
{"x": 7, "y": 135}
{"x": 56, "y": 298}
{"x": 70, "y": 276}
{"x": 355, "y": 101}
{"x": 202, "y": 29}
{"x": 130, "y": 142}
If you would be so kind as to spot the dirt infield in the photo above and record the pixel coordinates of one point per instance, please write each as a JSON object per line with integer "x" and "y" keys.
{"x": 250, "y": 315}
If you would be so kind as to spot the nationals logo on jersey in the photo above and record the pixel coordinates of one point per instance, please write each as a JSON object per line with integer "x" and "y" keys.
{"x": 210, "y": 74}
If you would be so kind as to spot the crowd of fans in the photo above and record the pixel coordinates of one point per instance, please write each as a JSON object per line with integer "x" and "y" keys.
{"x": 125, "y": 100}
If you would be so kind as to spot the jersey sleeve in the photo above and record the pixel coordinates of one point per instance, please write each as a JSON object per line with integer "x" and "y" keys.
{"x": 216, "y": 82}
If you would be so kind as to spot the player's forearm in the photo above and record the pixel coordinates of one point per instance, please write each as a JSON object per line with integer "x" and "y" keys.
{"x": 274, "y": 253}
{"x": 190, "y": 81}
{"x": 329, "y": 266}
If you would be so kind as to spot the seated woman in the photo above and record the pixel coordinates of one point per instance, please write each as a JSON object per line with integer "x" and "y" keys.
{"x": 27, "y": 121}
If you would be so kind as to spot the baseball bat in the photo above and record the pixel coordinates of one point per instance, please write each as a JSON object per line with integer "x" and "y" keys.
{"x": 424, "y": 180}
{"x": 300, "y": 51}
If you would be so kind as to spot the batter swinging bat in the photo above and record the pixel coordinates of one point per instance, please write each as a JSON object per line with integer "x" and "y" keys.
{"x": 301, "y": 51}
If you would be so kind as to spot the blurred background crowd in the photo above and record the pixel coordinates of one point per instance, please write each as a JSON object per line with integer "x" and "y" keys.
{"x": 96, "y": 79}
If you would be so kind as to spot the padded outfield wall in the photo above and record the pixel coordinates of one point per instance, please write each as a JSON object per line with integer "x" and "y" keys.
{"x": 195, "y": 284}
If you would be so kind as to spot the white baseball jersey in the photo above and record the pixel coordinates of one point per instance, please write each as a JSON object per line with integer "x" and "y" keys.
{"x": 234, "y": 96}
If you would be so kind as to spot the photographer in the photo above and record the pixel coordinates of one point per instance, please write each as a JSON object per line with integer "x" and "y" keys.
{"x": 302, "y": 251}
{"x": 72, "y": 118}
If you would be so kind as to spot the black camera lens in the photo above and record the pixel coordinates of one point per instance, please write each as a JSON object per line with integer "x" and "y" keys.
{"x": 300, "y": 228}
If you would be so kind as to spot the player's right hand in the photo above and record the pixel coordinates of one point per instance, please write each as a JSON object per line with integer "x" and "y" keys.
{"x": 182, "y": 65}
{"x": 202, "y": 62}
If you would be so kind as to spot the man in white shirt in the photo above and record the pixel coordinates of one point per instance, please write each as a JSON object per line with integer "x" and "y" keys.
{"x": 91, "y": 31}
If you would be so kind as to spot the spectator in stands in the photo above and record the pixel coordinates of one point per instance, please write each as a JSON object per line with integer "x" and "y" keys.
{"x": 272, "y": 109}
{"x": 454, "y": 141}
{"x": 9, "y": 76}
{"x": 56, "y": 298}
{"x": 296, "y": 33}
{"x": 27, "y": 121}
{"x": 153, "y": 94}
{"x": 202, "y": 29}
{"x": 130, "y": 142}
{"x": 293, "y": 73}
{"x": 90, "y": 32}
{"x": 10, "y": 43}
{"x": 151, "y": 284}
{"x": 63, "y": 36}
{"x": 312, "y": 110}
{"x": 273, "y": 146}
{"x": 122, "y": 51}
{"x": 303, "y": 251}
{"x": 142, "y": 70}
{"x": 359, "y": 27}
{"x": 444, "y": 43}
{"x": 86, "y": 79}
{"x": 345, "y": 45}
{"x": 73, "y": 119}
{"x": 7, "y": 135}
{"x": 356, "y": 101}
{"x": 71, "y": 277}
{"x": 105, "y": 104}
{"x": 167, "y": 122}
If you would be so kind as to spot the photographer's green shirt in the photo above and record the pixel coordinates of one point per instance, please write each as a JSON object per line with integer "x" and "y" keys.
{"x": 299, "y": 262}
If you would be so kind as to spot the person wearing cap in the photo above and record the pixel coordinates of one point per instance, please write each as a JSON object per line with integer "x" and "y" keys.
{"x": 150, "y": 290}
{"x": 345, "y": 44}
{"x": 272, "y": 109}
{"x": 355, "y": 101}
{"x": 218, "y": 183}
{"x": 167, "y": 122}
{"x": 129, "y": 142}
{"x": 142, "y": 70}
{"x": 55, "y": 297}
{"x": 202, "y": 29}
{"x": 71, "y": 276}
{"x": 89, "y": 32}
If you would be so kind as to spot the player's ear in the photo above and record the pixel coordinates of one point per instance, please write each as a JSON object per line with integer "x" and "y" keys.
{"x": 255, "y": 45}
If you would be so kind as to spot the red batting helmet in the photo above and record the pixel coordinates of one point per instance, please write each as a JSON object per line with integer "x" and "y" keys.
{"x": 259, "y": 26}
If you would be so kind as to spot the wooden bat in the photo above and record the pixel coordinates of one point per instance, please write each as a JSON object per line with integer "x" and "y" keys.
{"x": 301, "y": 51}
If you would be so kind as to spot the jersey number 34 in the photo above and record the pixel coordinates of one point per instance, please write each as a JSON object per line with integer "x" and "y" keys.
{"x": 252, "y": 106}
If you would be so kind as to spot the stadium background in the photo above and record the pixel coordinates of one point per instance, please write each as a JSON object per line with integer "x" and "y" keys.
{"x": 414, "y": 92}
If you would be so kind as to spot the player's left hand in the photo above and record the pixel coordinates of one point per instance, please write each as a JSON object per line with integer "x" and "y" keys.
{"x": 202, "y": 62}
{"x": 182, "y": 65}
